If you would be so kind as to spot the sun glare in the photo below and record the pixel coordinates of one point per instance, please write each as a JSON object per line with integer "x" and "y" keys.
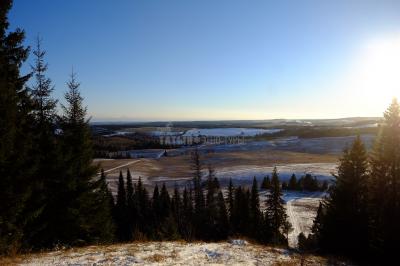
{"x": 375, "y": 76}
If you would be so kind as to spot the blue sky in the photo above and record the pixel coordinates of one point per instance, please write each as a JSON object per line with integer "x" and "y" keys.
{"x": 210, "y": 60}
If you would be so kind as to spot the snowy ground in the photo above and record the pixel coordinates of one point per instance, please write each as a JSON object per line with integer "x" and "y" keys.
{"x": 301, "y": 209}
{"x": 173, "y": 253}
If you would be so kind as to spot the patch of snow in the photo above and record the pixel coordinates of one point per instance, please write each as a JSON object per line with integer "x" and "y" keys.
{"x": 172, "y": 253}
{"x": 238, "y": 242}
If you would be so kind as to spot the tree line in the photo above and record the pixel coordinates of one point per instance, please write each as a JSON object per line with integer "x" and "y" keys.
{"x": 361, "y": 216}
{"x": 198, "y": 211}
{"x": 304, "y": 183}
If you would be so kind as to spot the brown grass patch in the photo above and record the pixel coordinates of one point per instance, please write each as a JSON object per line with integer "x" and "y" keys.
{"x": 156, "y": 258}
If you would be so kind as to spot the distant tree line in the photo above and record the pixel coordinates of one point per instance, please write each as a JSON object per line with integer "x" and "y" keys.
{"x": 304, "y": 183}
{"x": 320, "y": 132}
{"x": 104, "y": 147}
{"x": 200, "y": 211}
{"x": 361, "y": 216}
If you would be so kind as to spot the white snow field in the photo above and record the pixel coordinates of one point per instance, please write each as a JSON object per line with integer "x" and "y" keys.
{"x": 175, "y": 253}
{"x": 302, "y": 210}
{"x": 230, "y": 132}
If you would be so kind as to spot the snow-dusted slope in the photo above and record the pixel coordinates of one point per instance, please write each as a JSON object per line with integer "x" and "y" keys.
{"x": 173, "y": 253}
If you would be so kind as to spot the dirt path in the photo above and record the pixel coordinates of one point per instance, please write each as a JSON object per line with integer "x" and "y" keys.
{"x": 295, "y": 225}
{"x": 120, "y": 166}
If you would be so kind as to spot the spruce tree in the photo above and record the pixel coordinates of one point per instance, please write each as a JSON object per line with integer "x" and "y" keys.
{"x": 77, "y": 189}
{"x": 41, "y": 90}
{"x": 266, "y": 183}
{"x": 384, "y": 185}
{"x": 230, "y": 199}
{"x": 102, "y": 212}
{"x": 275, "y": 210}
{"x": 46, "y": 150}
{"x": 199, "y": 215}
{"x": 156, "y": 205}
{"x": 121, "y": 210}
{"x": 345, "y": 225}
{"x": 144, "y": 211}
{"x": 211, "y": 209}
{"x": 16, "y": 161}
{"x": 255, "y": 213}
{"x": 130, "y": 205}
{"x": 292, "y": 183}
{"x": 187, "y": 215}
{"x": 222, "y": 220}
{"x": 165, "y": 202}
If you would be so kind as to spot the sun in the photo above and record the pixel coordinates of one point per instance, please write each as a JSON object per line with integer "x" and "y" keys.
{"x": 375, "y": 75}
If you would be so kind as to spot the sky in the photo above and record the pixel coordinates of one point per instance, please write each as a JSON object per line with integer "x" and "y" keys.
{"x": 159, "y": 60}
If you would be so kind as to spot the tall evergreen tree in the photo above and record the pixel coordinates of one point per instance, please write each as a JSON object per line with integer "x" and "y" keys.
{"x": 222, "y": 230}
{"x": 130, "y": 206}
{"x": 384, "y": 185}
{"x": 41, "y": 90}
{"x": 199, "y": 215}
{"x": 16, "y": 161}
{"x": 144, "y": 211}
{"x": 187, "y": 215}
{"x": 230, "y": 199}
{"x": 292, "y": 183}
{"x": 156, "y": 205}
{"x": 47, "y": 153}
{"x": 102, "y": 212}
{"x": 76, "y": 190}
{"x": 275, "y": 212}
{"x": 266, "y": 183}
{"x": 255, "y": 213}
{"x": 121, "y": 210}
{"x": 345, "y": 225}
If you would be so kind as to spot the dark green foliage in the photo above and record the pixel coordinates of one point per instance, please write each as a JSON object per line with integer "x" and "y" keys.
{"x": 345, "y": 222}
{"x": 302, "y": 242}
{"x": 121, "y": 210}
{"x": 255, "y": 212}
{"x": 186, "y": 228}
{"x": 384, "y": 186}
{"x": 308, "y": 183}
{"x": 275, "y": 213}
{"x": 284, "y": 185}
{"x": 241, "y": 211}
{"x": 101, "y": 209}
{"x": 48, "y": 187}
{"x": 16, "y": 162}
{"x": 131, "y": 206}
{"x": 230, "y": 199}
{"x": 74, "y": 188}
{"x": 45, "y": 148}
{"x": 199, "y": 214}
{"x": 266, "y": 183}
{"x": 292, "y": 183}
{"x": 222, "y": 218}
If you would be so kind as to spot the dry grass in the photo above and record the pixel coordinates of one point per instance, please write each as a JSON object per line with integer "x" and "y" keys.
{"x": 156, "y": 258}
{"x": 178, "y": 167}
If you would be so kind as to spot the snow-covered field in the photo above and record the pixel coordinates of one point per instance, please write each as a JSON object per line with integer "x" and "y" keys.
{"x": 301, "y": 209}
{"x": 174, "y": 253}
{"x": 241, "y": 174}
{"x": 230, "y": 132}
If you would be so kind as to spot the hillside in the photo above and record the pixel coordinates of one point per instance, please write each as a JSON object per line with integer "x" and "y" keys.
{"x": 237, "y": 252}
